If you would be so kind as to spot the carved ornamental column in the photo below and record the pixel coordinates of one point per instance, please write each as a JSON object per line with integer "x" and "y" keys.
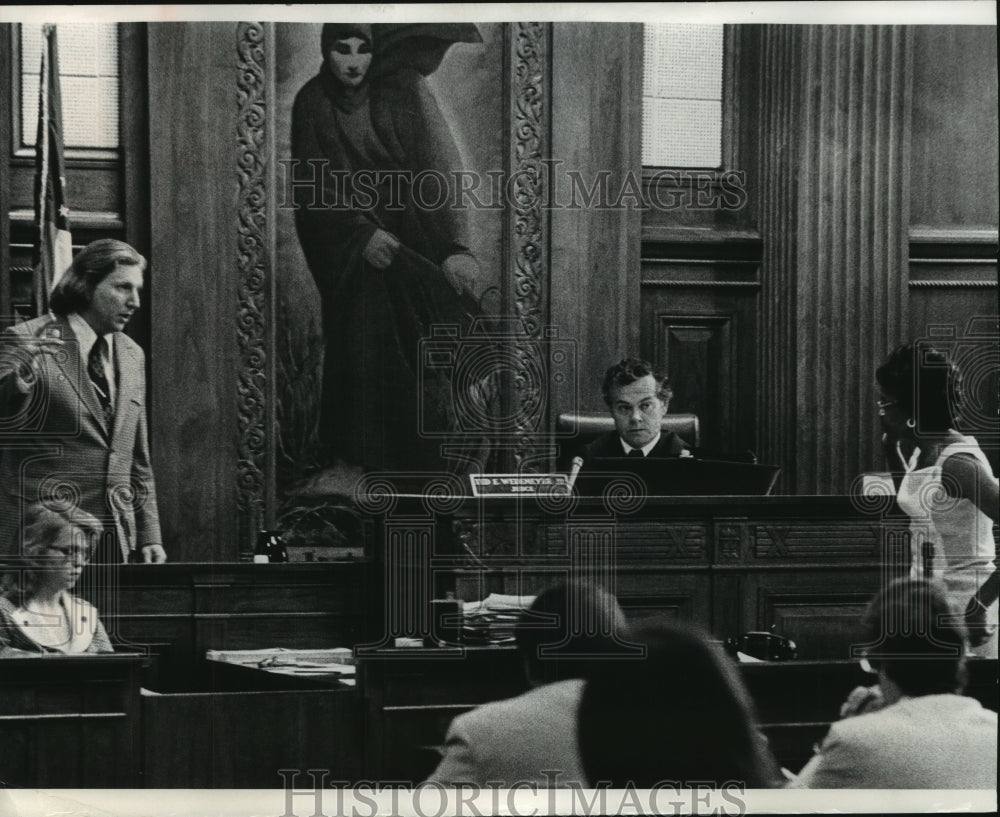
{"x": 835, "y": 125}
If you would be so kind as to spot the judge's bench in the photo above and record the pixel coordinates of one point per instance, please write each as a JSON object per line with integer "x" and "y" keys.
{"x": 162, "y": 715}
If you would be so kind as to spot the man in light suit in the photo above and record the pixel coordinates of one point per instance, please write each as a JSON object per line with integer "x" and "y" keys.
{"x": 914, "y": 730}
{"x": 566, "y": 636}
{"x": 73, "y": 408}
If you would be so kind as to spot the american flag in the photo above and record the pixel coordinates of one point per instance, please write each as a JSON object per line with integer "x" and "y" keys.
{"x": 54, "y": 251}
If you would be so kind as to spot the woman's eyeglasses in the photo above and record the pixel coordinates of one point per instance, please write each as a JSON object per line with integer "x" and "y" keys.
{"x": 73, "y": 554}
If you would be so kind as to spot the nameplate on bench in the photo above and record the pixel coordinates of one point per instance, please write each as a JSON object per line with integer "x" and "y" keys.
{"x": 494, "y": 485}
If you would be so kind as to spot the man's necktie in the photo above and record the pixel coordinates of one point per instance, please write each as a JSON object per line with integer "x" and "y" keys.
{"x": 636, "y": 452}
{"x": 95, "y": 368}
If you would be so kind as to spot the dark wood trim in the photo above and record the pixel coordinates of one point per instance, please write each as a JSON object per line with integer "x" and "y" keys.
{"x": 953, "y": 235}
{"x": 255, "y": 300}
{"x": 6, "y": 77}
{"x": 666, "y": 282}
{"x": 952, "y": 283}
{"x": 654, "y": 235}
{"x": 527, "y": 229}
{"x": 133, "y": 55}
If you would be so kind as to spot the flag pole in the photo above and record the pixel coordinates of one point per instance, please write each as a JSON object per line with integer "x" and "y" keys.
{"x": 54, "y": 249}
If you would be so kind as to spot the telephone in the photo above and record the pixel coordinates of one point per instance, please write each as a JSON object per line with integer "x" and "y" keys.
{"x": 766, "y": 646}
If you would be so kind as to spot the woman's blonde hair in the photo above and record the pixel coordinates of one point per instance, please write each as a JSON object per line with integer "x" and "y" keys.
{"x": 42, "y": 527}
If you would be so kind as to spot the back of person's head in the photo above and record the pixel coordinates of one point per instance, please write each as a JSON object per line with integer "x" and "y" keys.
{"x": 680, "y": 715}
{"x": 917, "y": 639}
{"x": 570, "y": 631}
{"x": 925, "y": 384}
{"x": 629, "y": 370}
{"x": 95, "y": 262}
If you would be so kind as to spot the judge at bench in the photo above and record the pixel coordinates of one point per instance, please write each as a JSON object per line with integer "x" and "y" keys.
{"x": 73, "y": 408}
{"x": 638, "y": 398}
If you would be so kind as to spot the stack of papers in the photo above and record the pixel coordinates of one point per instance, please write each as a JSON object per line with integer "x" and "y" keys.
{"x": 284, "y": 656}
{"x": 338, "y": 661}
{"x": 492, "y": 620}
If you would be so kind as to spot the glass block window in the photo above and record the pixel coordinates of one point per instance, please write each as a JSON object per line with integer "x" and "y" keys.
{"x": 682, "y": 95}
{"x": 88, "y": 80}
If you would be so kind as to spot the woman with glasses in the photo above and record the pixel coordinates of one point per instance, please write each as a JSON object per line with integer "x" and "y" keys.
{"x": 38, "y": 613}
{"x": 944, "y": 483}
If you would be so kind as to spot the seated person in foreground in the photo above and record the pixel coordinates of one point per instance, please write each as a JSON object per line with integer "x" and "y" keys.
{"x": 680, "y": 714}
{"x": 38, "y": 614}
{"x": 917, "y": 730}
{"x": 532, "y": 738}
{"x": 638, "y": 398}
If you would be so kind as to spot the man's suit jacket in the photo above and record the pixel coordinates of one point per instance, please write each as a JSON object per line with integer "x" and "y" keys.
{"x": 518, "y": 739}
{"x": 927, "y": 742}
{"x": 55, "y": 445}
{"x": 609, "y": 445}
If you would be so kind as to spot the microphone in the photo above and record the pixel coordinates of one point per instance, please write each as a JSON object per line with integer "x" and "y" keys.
{"x": 574, "y": 470}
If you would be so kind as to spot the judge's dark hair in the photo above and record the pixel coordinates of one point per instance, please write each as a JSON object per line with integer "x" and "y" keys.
{"x": 42, "y": 528}
{"x": 925, "y": 384}
{"x": 917, "y": 638}
{"x": 628, "y": 371}
{"x": 94, "y": 263}
{"x": 679, "y": 714}
{"x": 570, "y": 631}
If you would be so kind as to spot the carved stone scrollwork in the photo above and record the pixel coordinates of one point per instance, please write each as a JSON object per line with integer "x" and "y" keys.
{"x": 529, "y": 127}
{"x": 252, "y": 261}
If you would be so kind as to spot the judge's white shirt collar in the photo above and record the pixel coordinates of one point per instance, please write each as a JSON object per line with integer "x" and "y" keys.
{"x": 645, "y": 449}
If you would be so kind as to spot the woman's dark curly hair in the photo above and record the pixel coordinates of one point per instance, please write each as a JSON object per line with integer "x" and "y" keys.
{"x": 925, "y": 384}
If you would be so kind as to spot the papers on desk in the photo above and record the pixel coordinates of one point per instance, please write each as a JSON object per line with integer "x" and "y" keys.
{"x": 274, "y": 655}
{"x": 338, "y": 661}
{"x": 498, "y": 602}
{"x": 492, "y": 620}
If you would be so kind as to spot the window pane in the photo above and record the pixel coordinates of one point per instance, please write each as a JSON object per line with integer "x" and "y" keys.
{"x": 88, "y": 71}
{"x": 682, "y": 95}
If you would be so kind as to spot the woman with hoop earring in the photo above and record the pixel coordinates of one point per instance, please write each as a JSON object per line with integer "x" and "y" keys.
{"x": 944, "y": 483}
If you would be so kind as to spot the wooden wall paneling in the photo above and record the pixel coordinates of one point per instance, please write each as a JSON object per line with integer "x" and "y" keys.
{"x": 677, "y": 595}
{"x": 698, "y": 352}
{"x": 6, "y": 79}
{"x": 135, "y": 202}
{"x": 176, "y": 612}
{"x": 241, "y": 739}
{"x": 94, "y": 190}
{"x": 193, "y": 148}
{"x": 781, "y": 92}
{"x": 954, "y": 305}
{"x": 819, "y": 610}
{"x": 847, "y": 186}
{"x": 76, "y": 728}
{"x": 596, "y": 129}
{"x": 954, "y": 212}
{"x": 703, "y": 334}
{"x": 953, "y": 173}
